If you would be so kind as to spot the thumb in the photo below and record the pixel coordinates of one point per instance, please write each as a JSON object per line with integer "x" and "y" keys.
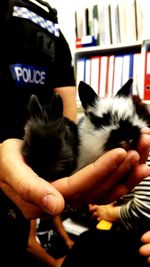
{"x": 17, "y": 178}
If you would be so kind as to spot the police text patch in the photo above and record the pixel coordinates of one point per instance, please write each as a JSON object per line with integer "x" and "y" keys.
{"x": 28, "y": 75}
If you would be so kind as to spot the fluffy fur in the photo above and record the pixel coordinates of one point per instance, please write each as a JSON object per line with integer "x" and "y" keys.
{"x": 55, "y": 146}
{"x": 50, "y": 140}
{"x": 109, "y": 122}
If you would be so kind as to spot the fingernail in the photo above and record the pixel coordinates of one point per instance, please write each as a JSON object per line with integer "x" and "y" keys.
{"x": 50, "y": 203}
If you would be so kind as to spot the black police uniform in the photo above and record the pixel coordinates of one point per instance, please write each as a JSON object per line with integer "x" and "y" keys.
{"x": 35, "y": 58}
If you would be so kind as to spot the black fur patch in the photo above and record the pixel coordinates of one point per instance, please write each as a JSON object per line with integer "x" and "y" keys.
{"x": 126, "y": 135}
{"x": 99, "y": 122}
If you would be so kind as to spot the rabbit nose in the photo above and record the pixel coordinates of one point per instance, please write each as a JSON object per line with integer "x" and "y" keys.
{"x": 125, "y": 145}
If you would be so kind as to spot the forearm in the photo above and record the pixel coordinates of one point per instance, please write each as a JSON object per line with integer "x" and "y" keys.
{"x": 68, "y": 95}
{"x": 136, "y": 210}
{"x": 60, "y": 228}
{"x": 112, "y": 213}
{"x": 105, "y": 212}
{"x": 39, "y": 252}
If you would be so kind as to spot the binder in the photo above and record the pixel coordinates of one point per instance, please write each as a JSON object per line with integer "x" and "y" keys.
{"x": 117, "y": 73}
{"x": 103, "y": 76}
{"x": 147, "y": 76}
{"x": 95, "y": 72}
{"x": 110, "y": 81}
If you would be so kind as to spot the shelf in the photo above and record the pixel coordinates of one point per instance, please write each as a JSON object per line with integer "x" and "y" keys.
{"x": 137, "y": 48}
{"x": 106, "y": 49}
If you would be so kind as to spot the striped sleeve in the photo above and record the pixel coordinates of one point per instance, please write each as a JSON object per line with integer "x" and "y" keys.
{"x": 136, "y": 210}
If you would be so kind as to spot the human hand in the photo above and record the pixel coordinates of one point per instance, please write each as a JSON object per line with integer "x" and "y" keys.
{"x": 107, "y": 212}
{"x": 113, "y": 175}
{"x": 96, "y": 211}
{"x": 145, "y": 248}
{"x": 101, "y": 182}
{"x": 59, "y": 261}
{"x": 21, "y": 184}
{"x": 69, "y": 243}
{"x": 99, "y": 211}
{"x": 143, "y": 146}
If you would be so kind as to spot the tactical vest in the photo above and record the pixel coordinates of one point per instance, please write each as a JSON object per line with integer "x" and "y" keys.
{"x": 29, "y": 34}
{"x": 31, "y": 60}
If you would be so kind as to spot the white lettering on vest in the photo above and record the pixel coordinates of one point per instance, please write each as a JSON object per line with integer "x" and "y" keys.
{"x": 28, "y": 75}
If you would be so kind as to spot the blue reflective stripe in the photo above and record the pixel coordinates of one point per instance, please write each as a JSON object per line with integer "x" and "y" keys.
{"x": 23, "y": 12}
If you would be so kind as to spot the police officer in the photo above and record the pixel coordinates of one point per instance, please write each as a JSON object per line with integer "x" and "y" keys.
{"x": 35, "y": 59}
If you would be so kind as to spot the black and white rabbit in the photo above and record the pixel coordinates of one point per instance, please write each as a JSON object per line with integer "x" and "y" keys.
{"x": 56, "y": 147}
{"x": 109, "y": 122}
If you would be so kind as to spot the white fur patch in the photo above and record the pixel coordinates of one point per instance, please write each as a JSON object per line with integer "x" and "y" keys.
{"x": 92, "y": 140}
{"x": 122, "y": 106}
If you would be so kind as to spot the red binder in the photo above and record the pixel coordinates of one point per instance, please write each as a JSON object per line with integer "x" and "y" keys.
{"x": 147, "y": 76}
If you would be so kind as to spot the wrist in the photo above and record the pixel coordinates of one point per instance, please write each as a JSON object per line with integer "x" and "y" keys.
{"x": 113, "y": 214}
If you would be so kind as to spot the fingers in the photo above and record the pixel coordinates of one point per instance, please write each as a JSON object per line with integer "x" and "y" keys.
{"x": 133, "y": 177}
{"x": 146, "y": 130}
{"x": 24, "y": 182}
{"x": 146, "y": 237}
{"x": 145, "y": 248}
{"x": 144, "y": 145}
{"x": 96, "y": 180}
{"x": 111, "y": 176}
{"x": 29, "y": 211}
{"x": 137, "y": 175}
{"x": 145, "y": 251}
{"x": 79, "y": 184}
{"x": 117, "y": 191}
{"x": 94, "y": 209}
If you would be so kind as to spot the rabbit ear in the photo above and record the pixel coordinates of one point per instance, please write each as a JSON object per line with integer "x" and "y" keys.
{"x": 126, "y": 89}
{"x": 55, "y": 109}
{"x": 35, "y": 108}
{"x": 87, "y": 95}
